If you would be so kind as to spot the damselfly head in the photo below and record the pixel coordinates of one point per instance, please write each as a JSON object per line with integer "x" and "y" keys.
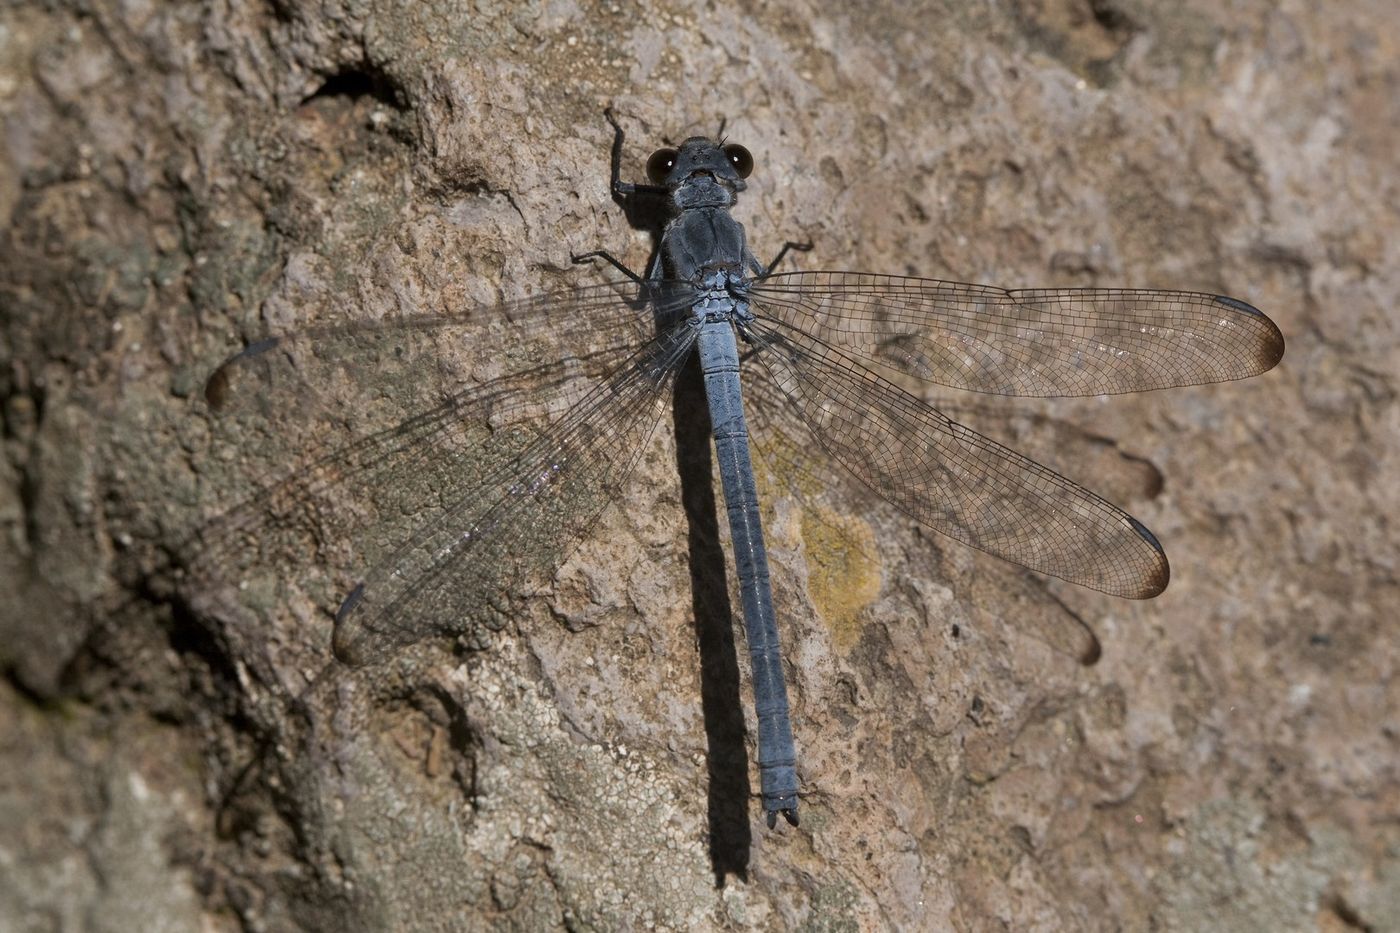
{"x": 727, "y": 163}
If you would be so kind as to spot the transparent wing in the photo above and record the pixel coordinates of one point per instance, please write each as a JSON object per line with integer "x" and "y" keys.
{"x": 365, "y": 432}
{"x": 411, "y": 363}
{"x": 1042, "y": 342}
{"x": 953, "y": 479}
{"x": 521, "y": 517}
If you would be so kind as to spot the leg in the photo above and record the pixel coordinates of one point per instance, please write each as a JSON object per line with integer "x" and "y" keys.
{"x": 582, "y": 258}
{"x": 621, "y": 189}
{"x": 624, "y": 194}
{"x": 789, "y": 245}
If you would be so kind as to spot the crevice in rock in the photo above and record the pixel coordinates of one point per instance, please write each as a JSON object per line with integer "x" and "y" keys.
{"x": 356, "y": 83}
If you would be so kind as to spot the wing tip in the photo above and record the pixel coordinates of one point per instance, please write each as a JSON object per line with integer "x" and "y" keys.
{"x": 345, "y": 645}
{"x": 1156, "y": 581}
{"x": 347, "y": 605}
{"x": 216, "y": 387}
{"x": 1271, "y": 350}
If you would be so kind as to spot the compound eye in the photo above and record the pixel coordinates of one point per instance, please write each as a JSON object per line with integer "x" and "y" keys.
{"x": 660, "y": 164}
{"x": 740, "y": 158}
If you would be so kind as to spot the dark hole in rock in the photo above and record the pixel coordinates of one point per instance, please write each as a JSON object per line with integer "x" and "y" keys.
{"x": 355, "y": 83}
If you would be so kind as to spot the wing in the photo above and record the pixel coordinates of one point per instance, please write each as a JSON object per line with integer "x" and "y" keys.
{"x": 411, "y": 361}
{"x": 375, "y": 428}
{"x": 953, "y": 479}
{"x": 520, "y": 517}
{"x": 1042, "y": 342}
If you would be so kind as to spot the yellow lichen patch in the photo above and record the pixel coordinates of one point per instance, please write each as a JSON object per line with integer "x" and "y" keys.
{"x": 843, "y": 576}
{"x": 780, "y": 455}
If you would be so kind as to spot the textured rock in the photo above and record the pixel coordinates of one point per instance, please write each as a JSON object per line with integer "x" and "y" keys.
{"x": 181, "y": 179}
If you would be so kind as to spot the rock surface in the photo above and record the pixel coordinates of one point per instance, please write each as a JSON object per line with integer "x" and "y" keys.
{"x": 181, "y": 179}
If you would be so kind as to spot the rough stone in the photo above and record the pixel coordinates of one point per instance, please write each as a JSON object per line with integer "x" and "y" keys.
{"x": 177, "y": 748}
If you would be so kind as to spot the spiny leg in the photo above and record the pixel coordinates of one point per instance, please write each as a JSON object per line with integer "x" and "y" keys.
{"x": 789, "y": 245}
{"x": 623, "y": 189}
{"x": 585, "y": 258}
